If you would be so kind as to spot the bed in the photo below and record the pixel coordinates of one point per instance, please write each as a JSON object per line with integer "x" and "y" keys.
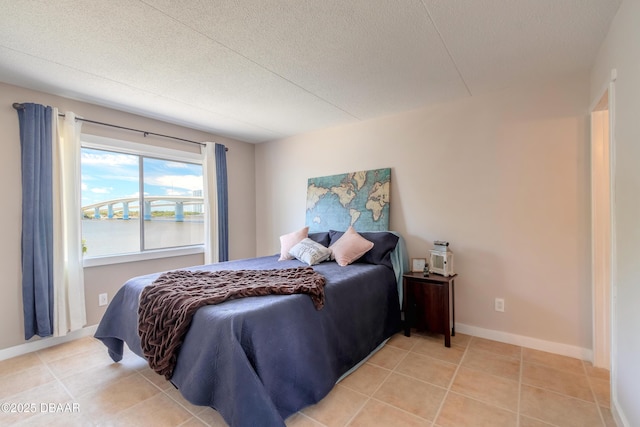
{"x": 257, "y": 360}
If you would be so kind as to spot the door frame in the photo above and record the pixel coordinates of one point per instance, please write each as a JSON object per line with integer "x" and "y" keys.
{"x": 602, "y": 154}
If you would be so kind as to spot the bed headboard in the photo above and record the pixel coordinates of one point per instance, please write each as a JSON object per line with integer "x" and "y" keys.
{"x": 360, "y": 199}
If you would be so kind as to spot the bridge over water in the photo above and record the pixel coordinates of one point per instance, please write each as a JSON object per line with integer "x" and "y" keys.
{"x": 125, "y": 203}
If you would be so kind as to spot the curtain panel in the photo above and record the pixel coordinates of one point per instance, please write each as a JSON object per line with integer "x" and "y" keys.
{"x": 223, "y": 202}
{"x": 216, "y": 223}
{"x": 37, "y": 219}
{"x": 68, "y": 274}
{"x": 52, "y": 275}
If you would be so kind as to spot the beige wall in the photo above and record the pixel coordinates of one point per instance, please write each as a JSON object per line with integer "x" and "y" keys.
{"x": 504, "y": 178}
{"x": 621, "y": 51}
{"x": 240, "y": 159}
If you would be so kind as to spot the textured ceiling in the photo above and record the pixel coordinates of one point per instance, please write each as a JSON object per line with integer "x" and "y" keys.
{"x": 257, "y": 70}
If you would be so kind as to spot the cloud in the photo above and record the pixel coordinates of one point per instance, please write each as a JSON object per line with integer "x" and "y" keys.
{"x": 175, "y": 182}
{"x": 177, "y": 165}
{"x": 108, "y": 159}
{"x": 99, "y": 190}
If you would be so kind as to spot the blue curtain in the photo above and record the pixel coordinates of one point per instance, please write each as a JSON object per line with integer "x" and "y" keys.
{"x": 223, "y": 202}
{"x": 37, "y": 219}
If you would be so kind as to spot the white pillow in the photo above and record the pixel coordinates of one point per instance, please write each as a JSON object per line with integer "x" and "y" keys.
{"x": 287, "y": 241}
{"x": 349, "y": 247}
{"x": 310, "y": 252}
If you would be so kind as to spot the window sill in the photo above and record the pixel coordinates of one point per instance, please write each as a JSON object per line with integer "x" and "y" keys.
{"x": 141, "y": 256}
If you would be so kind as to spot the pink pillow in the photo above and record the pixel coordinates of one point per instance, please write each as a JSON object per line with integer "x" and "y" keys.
{"x": 350, "y": 247}
{"x": 287, "y": 241}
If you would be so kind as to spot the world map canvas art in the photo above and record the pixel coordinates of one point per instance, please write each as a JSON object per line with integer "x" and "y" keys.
{"x": 360, "y": 199}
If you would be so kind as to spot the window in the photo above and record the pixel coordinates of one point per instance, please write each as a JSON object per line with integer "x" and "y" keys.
{"x": 137, "y": 198}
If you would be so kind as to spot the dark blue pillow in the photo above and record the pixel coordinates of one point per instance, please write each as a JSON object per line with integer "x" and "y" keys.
{"x": 322, "y": 238}
{"x": 383, "y": 244}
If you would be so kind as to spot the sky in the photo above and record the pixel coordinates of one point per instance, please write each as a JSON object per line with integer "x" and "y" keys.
{"x": 109, "y": 175}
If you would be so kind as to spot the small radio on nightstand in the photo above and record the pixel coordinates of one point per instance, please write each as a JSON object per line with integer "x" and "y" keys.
{"x": 441, "y": 259}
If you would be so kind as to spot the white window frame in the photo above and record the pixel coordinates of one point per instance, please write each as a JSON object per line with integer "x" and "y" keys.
{"x": 128, "y": 147}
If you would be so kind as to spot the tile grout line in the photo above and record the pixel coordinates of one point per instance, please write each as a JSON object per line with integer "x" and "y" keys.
{"x": 152, "y": 383}
{"x": 453, "y": 377}
{"x": 566, "y": 396}
{"x": 189, "y": 420}
{"x": 357, "y": 411}
{"x": 115, "y": 414}
{"x": 515, "y": 412}
{"x": 433, "y": 422}
{"x": 55, "y": 380}
{"x": 411, "y": 414}
{"x": 466, "y": 396}
{"x": 300, "y": 413}
{"x": 593, "y": 394}
{"x": 200, "y": 419}
{"x": 560, "y": 393}
{"x": 391, "y": 371}
{"x": 164, "y": 392}
{"x": 520, "y": 387}
{"x": 58, "y": 380}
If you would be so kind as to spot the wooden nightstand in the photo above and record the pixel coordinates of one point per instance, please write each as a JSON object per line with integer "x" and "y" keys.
{"x": 429, "y": 304}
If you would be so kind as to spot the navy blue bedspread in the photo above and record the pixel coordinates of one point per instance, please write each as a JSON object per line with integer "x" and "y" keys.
{"x": 258, "y": 360}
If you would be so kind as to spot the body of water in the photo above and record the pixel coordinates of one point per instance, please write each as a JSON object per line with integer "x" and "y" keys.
{"x": 118, "y": 236}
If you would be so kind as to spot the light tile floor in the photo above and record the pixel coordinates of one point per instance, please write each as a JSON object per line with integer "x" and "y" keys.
{"x": 410, "y": 382}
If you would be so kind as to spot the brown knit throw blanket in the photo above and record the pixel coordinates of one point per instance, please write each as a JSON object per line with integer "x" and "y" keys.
{"x": 168, "y": 304}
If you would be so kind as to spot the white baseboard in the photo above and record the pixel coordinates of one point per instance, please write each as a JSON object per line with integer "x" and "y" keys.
{"x": 524, "y": 341}
{"x": 618, "y": 416}
{"x": 39, "y": 344}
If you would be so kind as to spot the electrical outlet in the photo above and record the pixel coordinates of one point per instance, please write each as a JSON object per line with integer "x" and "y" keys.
{"x": 103, "y": 299}
{"x": 499, "y": 304}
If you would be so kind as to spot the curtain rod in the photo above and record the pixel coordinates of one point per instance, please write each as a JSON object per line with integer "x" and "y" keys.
{"x": 19, "y": 106}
